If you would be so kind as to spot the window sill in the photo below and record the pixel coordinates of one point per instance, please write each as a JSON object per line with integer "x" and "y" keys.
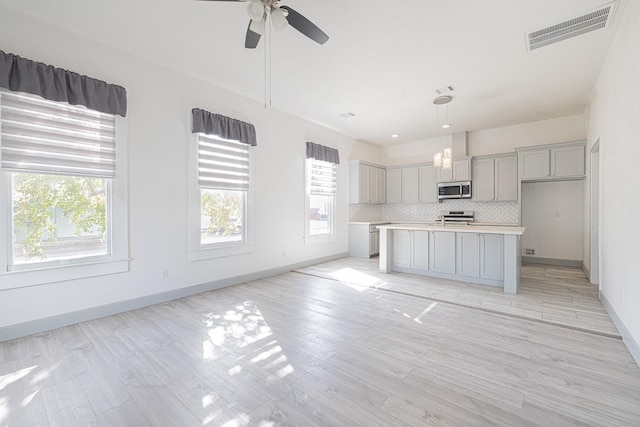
{"x": 212, "y": 253}
{"x": 61, "y": 273}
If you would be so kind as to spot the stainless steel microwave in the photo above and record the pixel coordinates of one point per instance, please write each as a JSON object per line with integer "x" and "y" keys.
{"x": 454, "y": 190}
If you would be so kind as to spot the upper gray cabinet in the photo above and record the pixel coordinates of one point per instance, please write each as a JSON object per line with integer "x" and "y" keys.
{"x": 460, "y": 170}
{"x": 556, "y": 161}
{"x": 367, "y": 183}
{"x": 495, "y": 178}
{"x": 402, "y": 184}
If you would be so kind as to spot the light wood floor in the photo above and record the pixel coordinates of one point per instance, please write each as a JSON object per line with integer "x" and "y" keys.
{"x": 551, "y": 294}
{"x": 302, "y": 350}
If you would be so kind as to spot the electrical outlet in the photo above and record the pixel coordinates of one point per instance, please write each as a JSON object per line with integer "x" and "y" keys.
{"x": 529, "y": 251}
{"x": 164, "y": 274}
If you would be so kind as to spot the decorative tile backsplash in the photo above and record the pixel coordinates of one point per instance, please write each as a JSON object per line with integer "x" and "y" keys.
{"x": 497, "y": 212}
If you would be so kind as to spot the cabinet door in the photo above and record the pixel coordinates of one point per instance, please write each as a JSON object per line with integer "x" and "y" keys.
{"x": 445, "y": 175}
{"x": 410, "y": 184}
{"x": 533, "y": 164}
{"x": 492, "y": 256}
{"x": 420, "y": 250}
{"x": 394, "y": 185}
{"x": 567, "y": 161}
{"x": 402, "y": 248}
{"x": 468, "y": 254}
{"x": 443, "y": 252}
{"x": 373, "y": 185}
{"x": 506, "y": 178}
{"x": 381, "y": 177}
{"x": 461, "y": 170}
{"x": 374, "y": 244}
{"x": 363, "y": 190}
{"x": 483, "y": 180}
{"x": 428, "y": 184}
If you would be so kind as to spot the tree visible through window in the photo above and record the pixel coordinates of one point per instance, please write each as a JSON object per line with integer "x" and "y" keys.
{"x": 58, "y": 217}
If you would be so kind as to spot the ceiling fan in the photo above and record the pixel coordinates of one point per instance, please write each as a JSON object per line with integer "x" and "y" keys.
{"x": 260, "y": 11}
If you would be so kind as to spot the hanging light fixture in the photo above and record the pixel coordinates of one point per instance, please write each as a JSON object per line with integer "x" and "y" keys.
{"x": 442, "y": 158}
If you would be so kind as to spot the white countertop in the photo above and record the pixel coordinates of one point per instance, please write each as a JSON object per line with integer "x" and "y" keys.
{"x": 370, "y": 222}
{"x": 477, "y": 228}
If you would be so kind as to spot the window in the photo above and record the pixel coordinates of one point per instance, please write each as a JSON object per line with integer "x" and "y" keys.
{"x": 219, "y": 203}
{"x": 321, "y": 194}
{"x": 59, "y": 165}
{"x": 223, "y": 178}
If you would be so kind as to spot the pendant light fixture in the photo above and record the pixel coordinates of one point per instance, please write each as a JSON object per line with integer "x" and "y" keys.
{"x": 442, "y": 158}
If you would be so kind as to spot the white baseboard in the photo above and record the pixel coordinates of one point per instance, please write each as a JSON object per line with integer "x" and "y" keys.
{"x": 19, "y": 330}
{"x": 627, "y": 338}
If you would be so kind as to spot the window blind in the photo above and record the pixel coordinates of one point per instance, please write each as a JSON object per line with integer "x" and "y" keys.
{"x": 41, "y": 136}
{"x": 323, "y": 178}
{"x": 222, "y": 164}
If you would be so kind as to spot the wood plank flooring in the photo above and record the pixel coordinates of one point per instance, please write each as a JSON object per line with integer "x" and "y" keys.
{"x": 552, "y": 294}
{"x": 301, "y": 350}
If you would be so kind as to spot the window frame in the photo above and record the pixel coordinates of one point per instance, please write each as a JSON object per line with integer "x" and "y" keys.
{"x": 197, "y": 251}
{"x": 79, "y": 268}
{"x": 321, "y": 238}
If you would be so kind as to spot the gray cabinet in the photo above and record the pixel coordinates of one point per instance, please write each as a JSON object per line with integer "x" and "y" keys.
{"x": 492, "y": 256}
{"x": 428, "y": 184}
{"x": 557, "y": 161}
{"x": 410, "y": 184}
{"x": 410, "y": 250}
{"x": 460, "y": 170}
{"x": 567, "y": 161}
{"x": 506, "y": 178}
{"x": 394, "y": 185}
{"x": 443, "y": 252}
{"x": 495, "y": 178}
{"x": 402, "y": 185}
{"x": 377, "y": 185}
{"x": 366, "y": 183}
{"x": 468, "y": 254}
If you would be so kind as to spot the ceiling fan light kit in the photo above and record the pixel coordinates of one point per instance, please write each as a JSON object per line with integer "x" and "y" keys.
{"x": 255, "y": 10}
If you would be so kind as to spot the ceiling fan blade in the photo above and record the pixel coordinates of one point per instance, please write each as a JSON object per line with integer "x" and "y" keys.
{"x": 252, "y": 39}
{"x": 305, "y": 26}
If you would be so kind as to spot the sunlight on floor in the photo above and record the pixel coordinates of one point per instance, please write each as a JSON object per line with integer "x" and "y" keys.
{"x": 425, "y": 311}
{"x": 243, "y": 327}
{"x": 355, "y": 279}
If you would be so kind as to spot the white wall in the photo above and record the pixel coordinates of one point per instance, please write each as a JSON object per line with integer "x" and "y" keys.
{"x": 506, "y": 139}
{"x": 613, "y": 118}
{"x": 159, "y": 105}
{"x": 492, "y": 141}
{"x": 414, "y": 152}
{"x": 552, "y": 213}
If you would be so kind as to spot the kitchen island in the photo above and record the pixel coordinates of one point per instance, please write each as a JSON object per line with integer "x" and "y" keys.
{"x": 483, "y": 254}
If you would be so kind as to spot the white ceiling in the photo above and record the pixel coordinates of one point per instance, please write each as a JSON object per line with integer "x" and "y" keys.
{"x": 383, "y": 61}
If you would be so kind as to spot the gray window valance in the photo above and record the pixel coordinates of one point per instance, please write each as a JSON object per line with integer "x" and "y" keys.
{"x": 323, "y": 153}
{"x": 224, "y": 127}
{"x": 56, "y": 84}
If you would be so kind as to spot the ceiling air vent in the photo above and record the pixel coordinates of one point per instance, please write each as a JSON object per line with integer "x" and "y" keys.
{"x": 347, "y": 115}
{"x": 591, "y": 21}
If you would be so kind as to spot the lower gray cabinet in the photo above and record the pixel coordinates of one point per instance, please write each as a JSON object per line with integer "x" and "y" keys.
{"x": 468, "y": 254}
{"x": 492, "y": 256}
{"x": 443, "y": 252}
{"x": 411, "y": 249}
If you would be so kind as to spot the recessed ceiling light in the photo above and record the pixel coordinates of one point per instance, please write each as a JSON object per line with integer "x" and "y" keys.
{"x": 395, "y": 135}
{"x": 446, "y": 126}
